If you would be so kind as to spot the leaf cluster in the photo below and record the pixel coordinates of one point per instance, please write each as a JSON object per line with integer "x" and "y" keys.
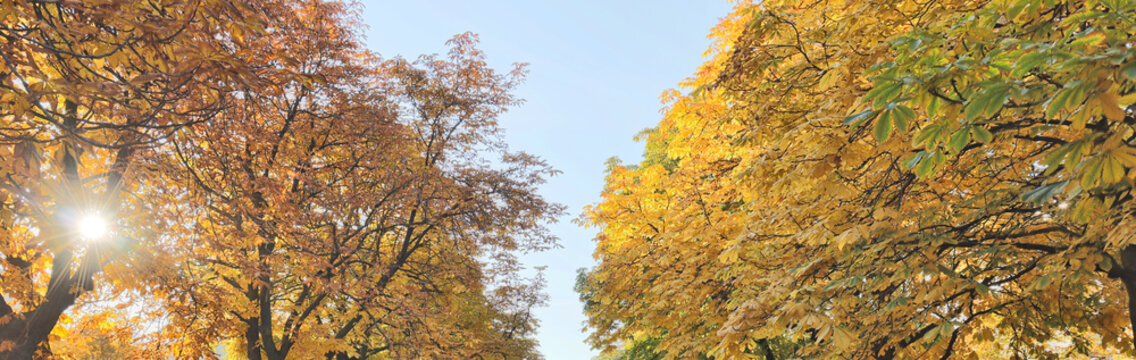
{"x": 870, "y": 179}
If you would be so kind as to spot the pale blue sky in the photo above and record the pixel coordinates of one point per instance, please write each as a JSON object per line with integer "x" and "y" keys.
{"x": 596, "y": 71}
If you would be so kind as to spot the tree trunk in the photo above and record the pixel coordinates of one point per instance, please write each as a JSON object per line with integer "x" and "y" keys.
{"x": 1128, "y": 278}
{"x": 29, "y": 332}
{"x": 252, "y": 339}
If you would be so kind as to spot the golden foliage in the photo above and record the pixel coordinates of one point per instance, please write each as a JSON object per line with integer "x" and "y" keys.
{"x": 272, "y": 189}
{"x": 884, "y": 179}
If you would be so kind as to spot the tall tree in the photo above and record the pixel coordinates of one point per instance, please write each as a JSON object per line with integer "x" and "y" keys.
{"x": 347, "y": 211}
{"x": 267, "y": 185}
{"x": 87, "y": 86}
{"x": 885, "y": 180}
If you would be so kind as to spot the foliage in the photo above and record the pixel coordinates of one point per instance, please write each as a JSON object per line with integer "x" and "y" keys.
{"x": 88, "y": 88}
{"x": 885, "y": 179}
{"x": 274, "y": 189}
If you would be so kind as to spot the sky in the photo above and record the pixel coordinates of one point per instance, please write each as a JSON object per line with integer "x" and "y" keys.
{"x": 597, "y": 69}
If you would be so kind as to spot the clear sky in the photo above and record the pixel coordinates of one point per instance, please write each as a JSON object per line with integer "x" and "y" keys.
{"x": 596, "y": 71}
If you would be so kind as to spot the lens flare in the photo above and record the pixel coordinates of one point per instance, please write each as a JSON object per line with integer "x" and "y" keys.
{"x": 92, "y": 227}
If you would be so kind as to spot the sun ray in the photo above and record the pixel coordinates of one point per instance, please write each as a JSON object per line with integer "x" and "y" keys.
{"x": 92, "y": 227}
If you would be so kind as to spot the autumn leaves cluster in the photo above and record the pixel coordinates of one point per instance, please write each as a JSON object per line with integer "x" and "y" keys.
{"x": 883, "y": 180}
{"x": 273, "y": 189}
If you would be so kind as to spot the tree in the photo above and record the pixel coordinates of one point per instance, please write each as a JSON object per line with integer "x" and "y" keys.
{"x": 268, "y": 187}
{"x": 958, "y": 189}
{"x": 346, "y": 212}
{"x": 87, "y": 88}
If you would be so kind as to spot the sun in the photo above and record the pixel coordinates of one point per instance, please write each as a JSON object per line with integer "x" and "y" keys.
{"x": 92, "y": 227}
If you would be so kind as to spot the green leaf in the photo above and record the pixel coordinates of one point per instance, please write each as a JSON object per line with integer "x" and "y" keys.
{"x": 1074, "y": 191}
{"x": 1112, "y": 171}
{"x": 924, "y": 168}
{"x": 1021, "y": 6}
{"x": 1129, "y": 71}
{"x": 927, "y": 136}
{"x": 1027, "y": 63}
{"x": 898, "y": 121}
{"x": 857, "y": 119}
{"x": 1057, "y": 103}
{"x": 1093, "y": 38}
{"x": 905, "y": 114}
{"x": 1091, "y": 173}
{"x": 883, "y": 94}
{"x": 933, "y": 108}
{"x": 959, "y": 140}
{"x": 883, "y": 127}
{"x": 1074, "y": 155}
{"x": 1077, "y": 94}
{"x": 975, "y": 106}
{"x": 998, "y": 95}
{"x": 887, "y": 95}
{"x": 1045, "y": 192}
{"x": 982, "y": 288}
{"x": 1054, "y": 158}
{"x": 927, "y": 165}
{"x": 981, "y": 134}
{"x": 1085, "y": 208}
{"x": 914, "y": 160}
{"x": 987, "y": 101}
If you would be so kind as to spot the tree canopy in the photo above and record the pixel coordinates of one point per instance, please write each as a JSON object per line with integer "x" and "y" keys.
{"x": 883, "y": 179}
{"x": 270, "y": 189}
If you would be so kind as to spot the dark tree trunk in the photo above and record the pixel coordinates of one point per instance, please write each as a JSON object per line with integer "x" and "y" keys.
{"x": 1128, "y": 278}
{"x": 29, "y": 330}
{"x": 252, "y": 339}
